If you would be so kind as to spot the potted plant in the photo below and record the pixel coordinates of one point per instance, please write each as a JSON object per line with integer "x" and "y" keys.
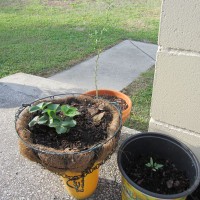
{"x": 157, "y": 167}
{"x": 71, "y": 135}
{"x": 123, "y": 100}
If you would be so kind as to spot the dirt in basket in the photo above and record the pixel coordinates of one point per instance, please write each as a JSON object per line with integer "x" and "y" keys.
{"x": 91, "y": 128}
{"x": 164, "y": 180}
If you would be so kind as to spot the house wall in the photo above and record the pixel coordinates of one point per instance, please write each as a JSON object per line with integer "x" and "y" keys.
{"x": 175, "y": 108}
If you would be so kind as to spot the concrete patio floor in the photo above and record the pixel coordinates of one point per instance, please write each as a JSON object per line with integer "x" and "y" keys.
{"x": 21, "y": 179}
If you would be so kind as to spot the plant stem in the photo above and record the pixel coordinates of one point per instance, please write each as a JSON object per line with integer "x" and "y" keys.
{"x": 95, "y": 74}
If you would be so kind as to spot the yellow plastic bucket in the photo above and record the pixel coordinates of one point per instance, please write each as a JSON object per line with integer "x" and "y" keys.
{"x": 83, "y": 187}
{"x": 131, "y": 193}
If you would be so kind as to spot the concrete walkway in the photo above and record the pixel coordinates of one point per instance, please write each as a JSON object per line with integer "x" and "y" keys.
{"x": 21, "y": 179}
{"x": 118, "y": 67}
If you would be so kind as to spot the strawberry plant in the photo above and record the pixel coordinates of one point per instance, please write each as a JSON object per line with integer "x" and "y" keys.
{"x": 56, "y": 116}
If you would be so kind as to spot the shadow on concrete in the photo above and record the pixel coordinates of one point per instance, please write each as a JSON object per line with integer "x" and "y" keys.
{"x": 14, "y": 95}
{"x": 109, "y": 187}
{"x": 107, "y": 190}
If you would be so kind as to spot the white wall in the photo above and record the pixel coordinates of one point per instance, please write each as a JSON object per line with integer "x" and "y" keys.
{"x": 175, "y": 108}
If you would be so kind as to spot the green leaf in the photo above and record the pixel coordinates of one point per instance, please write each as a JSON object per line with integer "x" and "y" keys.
{"x": 54, "y": 123}
{"x": 158, "y": 166}
{"x": 72, "y": 113}
{"x": 52, "y": 114}
{"x": 69, "y": 123}
{"x": 33, "y": 109}
{"x": 53, "y": 107}
{"x": 43, "y": 119}
{"x": 151, "y": 161}
{"x": 148, "y": 165}
{"x": 61, "y": 129}
{"x": 58, "y": 109}
{"x": 65, "y": 108}
{"x": 33, "y": 121}
{"x": 45, "y": 104}
{"x": 40, "y": 105}
{"x": 69, "y": 111}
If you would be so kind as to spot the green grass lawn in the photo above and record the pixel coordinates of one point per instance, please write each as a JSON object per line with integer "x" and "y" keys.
{"x": 140, "y": 92}
{"x": 42, "y": 37}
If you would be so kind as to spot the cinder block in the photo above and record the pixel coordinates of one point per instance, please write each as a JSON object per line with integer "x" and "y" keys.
{"x": 180, "y": 25}
{"x": 191, "y": 139}
{"x": 176, "y": 92}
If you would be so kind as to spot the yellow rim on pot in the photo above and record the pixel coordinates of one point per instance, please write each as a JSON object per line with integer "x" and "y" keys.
{"x": 131, "y": 193}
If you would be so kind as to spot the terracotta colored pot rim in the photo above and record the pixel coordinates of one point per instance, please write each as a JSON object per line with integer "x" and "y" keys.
{"x": 116, "y": 93}
{"x": 127, "y": 111}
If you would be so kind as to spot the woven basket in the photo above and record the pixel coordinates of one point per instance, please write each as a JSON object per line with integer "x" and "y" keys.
{"x": 60, "y": 161}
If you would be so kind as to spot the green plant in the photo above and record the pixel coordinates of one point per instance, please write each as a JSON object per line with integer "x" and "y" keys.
{"x": 97, "y": 36}
{"x": 56, "y": 116}
{"x": 153, "y": 165}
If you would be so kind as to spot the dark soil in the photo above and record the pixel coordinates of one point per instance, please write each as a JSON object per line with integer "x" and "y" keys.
{"x": 165, "y": 180}
{"x": 85, "y": 134}
{"x": 122, "y": 104}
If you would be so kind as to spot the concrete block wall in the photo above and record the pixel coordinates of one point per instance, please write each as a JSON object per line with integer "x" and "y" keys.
{"x": 175, "y": 108}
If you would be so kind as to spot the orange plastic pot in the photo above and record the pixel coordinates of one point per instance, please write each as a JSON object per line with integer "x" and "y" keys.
{"x": 85, "y": 186}
{"x": 102, "y": 92}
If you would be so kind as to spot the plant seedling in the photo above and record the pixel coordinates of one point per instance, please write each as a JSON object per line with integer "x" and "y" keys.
{"x": 97, "y": 37}
{"x": 56, "y": 116}
{"x": 153, "y": 165}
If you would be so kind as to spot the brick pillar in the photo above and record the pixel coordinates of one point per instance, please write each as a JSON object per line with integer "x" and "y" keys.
{"x": 175, "y": 108}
